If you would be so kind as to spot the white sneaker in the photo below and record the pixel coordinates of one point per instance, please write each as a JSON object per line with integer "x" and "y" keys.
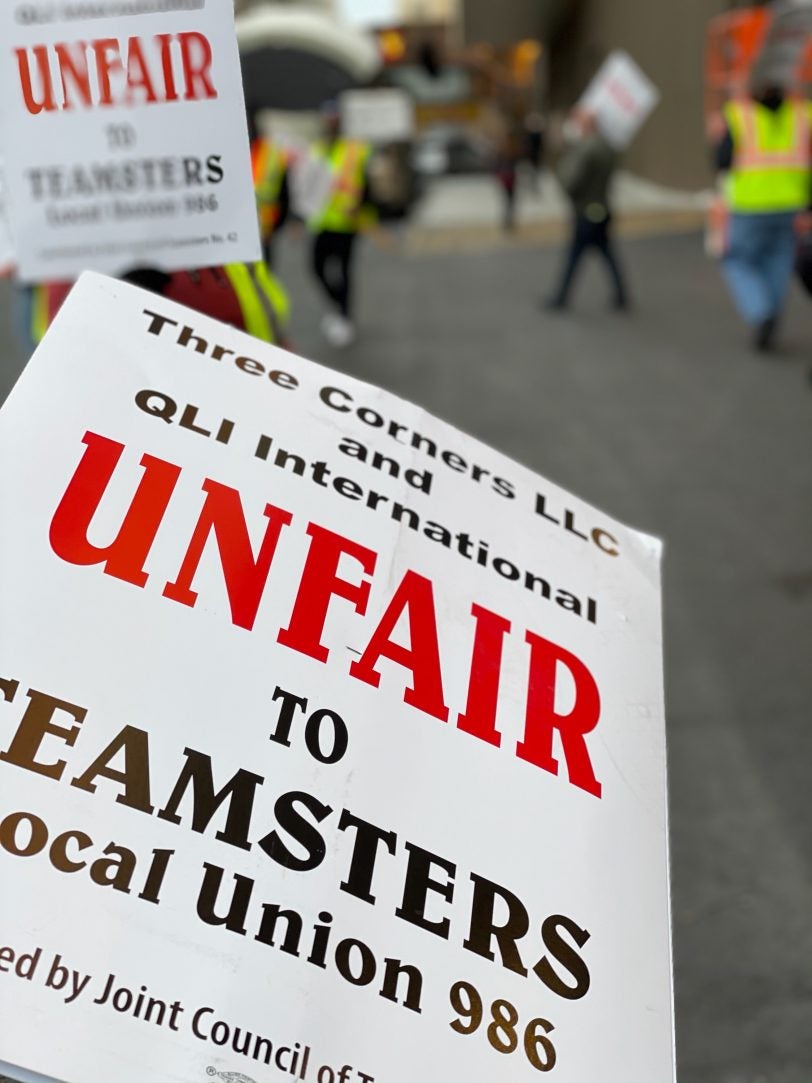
{"x": 339, "y": 331}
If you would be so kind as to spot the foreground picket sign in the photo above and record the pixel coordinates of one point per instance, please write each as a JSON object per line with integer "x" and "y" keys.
{"x": 331, "y": 740}
{"x": 125, "y": 136}
{"x": 622, "y": 97}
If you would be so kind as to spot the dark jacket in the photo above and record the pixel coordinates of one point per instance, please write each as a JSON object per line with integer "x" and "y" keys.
{"x": 585, "y": 171}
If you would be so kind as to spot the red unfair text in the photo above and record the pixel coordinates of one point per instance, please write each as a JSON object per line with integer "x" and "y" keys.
{"x": 113, "y": 72}
{"x": 322, "y": 588}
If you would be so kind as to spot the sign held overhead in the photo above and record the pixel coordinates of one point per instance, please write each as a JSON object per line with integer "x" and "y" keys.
{"x": 381, "y": 115}
{"x": 621, "y": 96}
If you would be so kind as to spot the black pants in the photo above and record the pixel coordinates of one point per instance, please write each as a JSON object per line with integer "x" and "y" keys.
{"x": 507, "y": 182}
{"x": 588, "y": 234}
{"x": 332, "y": 266}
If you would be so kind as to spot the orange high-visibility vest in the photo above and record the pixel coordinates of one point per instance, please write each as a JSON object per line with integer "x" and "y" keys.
{"x": 268, "y": 164}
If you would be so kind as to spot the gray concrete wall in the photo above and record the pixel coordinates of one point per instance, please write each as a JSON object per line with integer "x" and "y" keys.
{"x": 502, "y": 22}
{"x": 666, "y": 37}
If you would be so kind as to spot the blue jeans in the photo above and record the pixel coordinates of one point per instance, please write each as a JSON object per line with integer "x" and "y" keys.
{"x": 758, "y": 263}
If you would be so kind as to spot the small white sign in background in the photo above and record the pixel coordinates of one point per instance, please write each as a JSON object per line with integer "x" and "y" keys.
{"x": 311, "y": 183}
{"x": 125, "y": 136}
{"x": 377, "y": 116}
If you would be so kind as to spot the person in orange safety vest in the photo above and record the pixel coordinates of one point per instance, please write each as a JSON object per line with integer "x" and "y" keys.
{"x": 245, "y": 295}
{"x": 269, "y": 165}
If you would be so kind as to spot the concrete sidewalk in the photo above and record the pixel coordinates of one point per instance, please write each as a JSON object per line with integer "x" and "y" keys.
{"x": 665, "y": 418}
{"x": 459, "y": 212}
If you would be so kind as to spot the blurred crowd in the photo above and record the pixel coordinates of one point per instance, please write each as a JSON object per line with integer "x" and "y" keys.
{"x": 335, "y": 189}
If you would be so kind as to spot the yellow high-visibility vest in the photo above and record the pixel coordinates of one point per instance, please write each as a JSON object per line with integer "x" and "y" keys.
{"x": 40, "y": 314}
{"x": 263, "y": 301}
{"x": 46, "y": 298}
{"x": 343, "y": 210}
{"x": 771, "y": 157}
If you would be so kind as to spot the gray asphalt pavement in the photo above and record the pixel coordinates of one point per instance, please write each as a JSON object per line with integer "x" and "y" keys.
{"x": 664, "y": 418}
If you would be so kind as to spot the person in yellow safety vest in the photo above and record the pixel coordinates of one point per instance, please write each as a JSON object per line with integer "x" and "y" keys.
{"x": 766, "y": 153}
{"x": 345, "y": 211}
{"x": 269, "y": 163}
{"x": 246, "y": 295}
{"x": 40, "y": 304}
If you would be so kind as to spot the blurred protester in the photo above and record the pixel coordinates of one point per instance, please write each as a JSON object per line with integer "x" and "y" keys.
{"x": 345, "y": 211}
{"x": 766, "y": 151}
{"x": 585, "y": 170}
{"x": 244, "y": 295}
{"x": 803, "y": 259}
{"x": 534, "y": 143}
{"x": 506, "y": 166}
{"x": 269, "y": 163}
{"x": 36, "y": 307}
